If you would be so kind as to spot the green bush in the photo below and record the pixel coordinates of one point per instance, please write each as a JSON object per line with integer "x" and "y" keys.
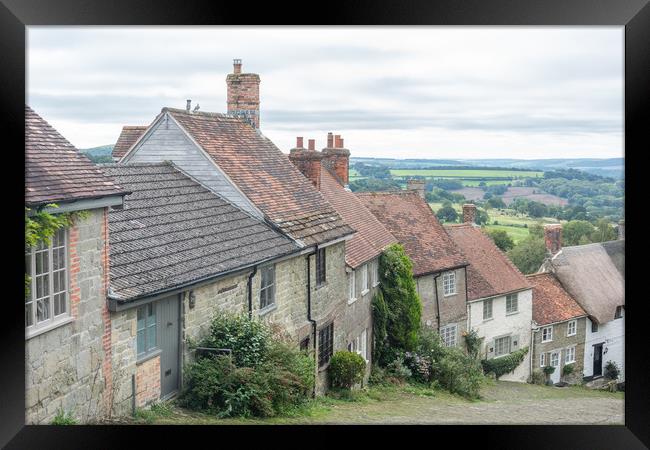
{"x": 64, "y": 418}
{"x": 281, "y": 378}
{"x": 397, "y": 370}
{"x": 504, "y": 364}
{"x": 380, "y": 333}
{"x": 346, "y": 369}
{"x": 612, "y": 370}
{"x": 567, "y": 369}
{"x": 404, "y": 308}
{"x": 377, "y": 375}
{"x": 548, "y": 370}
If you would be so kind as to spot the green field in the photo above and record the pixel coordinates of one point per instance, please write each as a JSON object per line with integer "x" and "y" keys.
{"x": 466, "y": 173}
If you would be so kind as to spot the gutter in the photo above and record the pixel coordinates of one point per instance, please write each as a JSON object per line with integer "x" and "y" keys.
{"x": 445, "y": 269}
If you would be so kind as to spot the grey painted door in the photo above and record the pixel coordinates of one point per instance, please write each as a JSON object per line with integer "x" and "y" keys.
{"x": 169, "y": 344}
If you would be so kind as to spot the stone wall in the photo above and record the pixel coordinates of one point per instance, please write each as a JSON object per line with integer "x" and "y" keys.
{"x": 453, "y": 308}
{"x": 64, "y": 365}
{"x": 559, "y": 343}
{"x": 124, "y": 357}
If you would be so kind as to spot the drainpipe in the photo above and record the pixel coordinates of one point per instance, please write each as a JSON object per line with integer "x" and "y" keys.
{"x": 534, "y": 330}
{"x": 250, "y": 292}
{"x": 435, "y": 288}
{"x": 309, "y": 318}
{"x": 469, "y": 309}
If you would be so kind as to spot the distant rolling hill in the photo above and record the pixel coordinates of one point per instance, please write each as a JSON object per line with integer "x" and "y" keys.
{"x": 610, "y": 167}
{"x": 100, "y": 154}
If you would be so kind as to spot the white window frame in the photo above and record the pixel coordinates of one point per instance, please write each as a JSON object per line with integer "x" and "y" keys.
{"x": 268, "y": 288}
{"x": 550, "y": 362}
{"x": 496, "y": 346}
{"x": 375, "y": 273}
{"x": 491, "y": 303}
{"x": 511, "y": 297}
{"x": 549, "y": 334}
{"x": 573, "y": 354}
{"x": 352, "y": 287}
{"x": 445, "y": 334}
{"x": 363, "y": 351}
{"x": 542, "y": 360}
{"x": 52, "y": 321}
{"x": 569, "y": 325}
{"x": 364, "y": 280}
{"x": 449, "y": 283}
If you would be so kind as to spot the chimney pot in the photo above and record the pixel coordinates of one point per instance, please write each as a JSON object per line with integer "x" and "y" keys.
{"x": 337, "y": 141}
{"x": 236, "y": 65}
{"x": 330, "y": 140}
{"x": 553, "y": 237}
{"x": 188, "y": 105}
{"x": 299, "y": 142}
{"x": 469, "y": 213}
{"x": 312, "y": 144}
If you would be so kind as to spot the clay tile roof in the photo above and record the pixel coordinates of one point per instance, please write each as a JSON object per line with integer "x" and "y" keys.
{"x": 490, "y": 272}
{"x": 128, "y": 136}
{"x": 410, "y": 219}
{"x": 371, "y": 237}
{"x": 551, "y": 303}
{"x": 173, "y": 231}
{"x": 55, "y": 171}
{"x": 594, "y": 274}
{"x": 265, "y": 175}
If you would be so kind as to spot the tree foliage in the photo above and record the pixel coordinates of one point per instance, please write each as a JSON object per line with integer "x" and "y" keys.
{"x": 502, "y": 239}
{"x": 403, "y": 304}
{"x": 528, "y": 255}
{"x": 574, "y": 230}
{"x": 447, "y": 213}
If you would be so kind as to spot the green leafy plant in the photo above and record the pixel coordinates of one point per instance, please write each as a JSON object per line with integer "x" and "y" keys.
{"x": 346, "y": 369}
{"x": 64, "y": 418}
{"x": 612, "y": 371}
{"x": 472, "y": 343}
{"x": 537, "y": 377}
{"x": 567, "y": 370}
{"x": 380, "y": 332}
{"x": 504, "y": 364}
{"x": 397, "y": 371}
{"x": 273, "y": 378}
{"x": 404, "y": 307}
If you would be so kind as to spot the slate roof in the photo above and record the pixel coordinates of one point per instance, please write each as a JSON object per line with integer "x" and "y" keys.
{"x": 490, "y": 271}
{"x": 410, "y": 219}
{"x": 594, "y": 274}
{"x": 128, "y": 136}
{"x": 174, "y": 231}
{"x": 55, "y": 171}
{"x": 551, "y": 303}
{"x": 371, "y": 237}
{"x": 265, "y": 175}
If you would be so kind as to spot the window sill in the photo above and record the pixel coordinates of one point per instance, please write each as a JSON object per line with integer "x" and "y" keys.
{"x": 146, "y": 357}
{"x": 488, "y": 320}
{"x": 320, "y": 286}
{"x": 267, "y": 309}
{"x": 324, "y": 367}
{"x": 375, "y": 284}
{"x": 450, "y": 294}
{"x": 571, "y": 335}
{"x": 544, "y": 342}
{"x": 44, "y": 329}
{"x": 364, "y": 292}
{"x": 512, "y": 313}
{"x": 351, "y": 300}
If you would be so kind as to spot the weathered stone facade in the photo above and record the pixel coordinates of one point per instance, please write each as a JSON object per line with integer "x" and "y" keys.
{"x": 560, "y": 343}
{"x": 64, "y": 365}
{"x": 453, "y": 308}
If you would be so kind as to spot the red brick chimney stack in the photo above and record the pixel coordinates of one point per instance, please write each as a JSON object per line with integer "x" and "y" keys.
{"x": 469, "y": 213}
{"x": 244, "y": 94}
{"x": 307, "y": 160}
{"x": 417, "y": 186}
{"x": 553, "y": 237}
{"x": 337, "y": 158}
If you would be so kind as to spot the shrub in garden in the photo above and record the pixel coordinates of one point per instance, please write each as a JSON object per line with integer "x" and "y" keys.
{"x": 548, "y": 370}
{"x": 420, "y": 366}
{"x": 612, "y": 370}
{"x": 380, "y": 333}
{"x": 504, "y": 364}
{"x": 537, "y": 377}
{"x": 397, "y": 370}
{"x": 458, "y": 373}
{"x": 567, "y": 370}
{"x": 279, "y": 378}
{"x": 346, "y": 369}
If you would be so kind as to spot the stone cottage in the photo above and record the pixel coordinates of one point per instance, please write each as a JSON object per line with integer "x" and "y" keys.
{"x": 439, "y": 266}
{"x": 594, "y": 275}
{"x": 559, "y": 329}
{"x": 229, "y": 155}
{"x": 499, "y": 299}
{"x": 67, "y": 322}
{"x": 179, "y": 254}
{"x": 328, "y": 171}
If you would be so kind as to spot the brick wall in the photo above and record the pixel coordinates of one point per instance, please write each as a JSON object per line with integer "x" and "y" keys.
{"x": 147, "y": 382}
{"x": 243, "y": 95}
{"x": 64, "y": 366}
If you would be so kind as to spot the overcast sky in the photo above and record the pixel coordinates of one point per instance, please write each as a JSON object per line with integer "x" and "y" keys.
{"x": 416, "y": 92}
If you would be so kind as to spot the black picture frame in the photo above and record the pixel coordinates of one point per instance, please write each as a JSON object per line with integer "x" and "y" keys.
{"x": 634, "y": 15}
